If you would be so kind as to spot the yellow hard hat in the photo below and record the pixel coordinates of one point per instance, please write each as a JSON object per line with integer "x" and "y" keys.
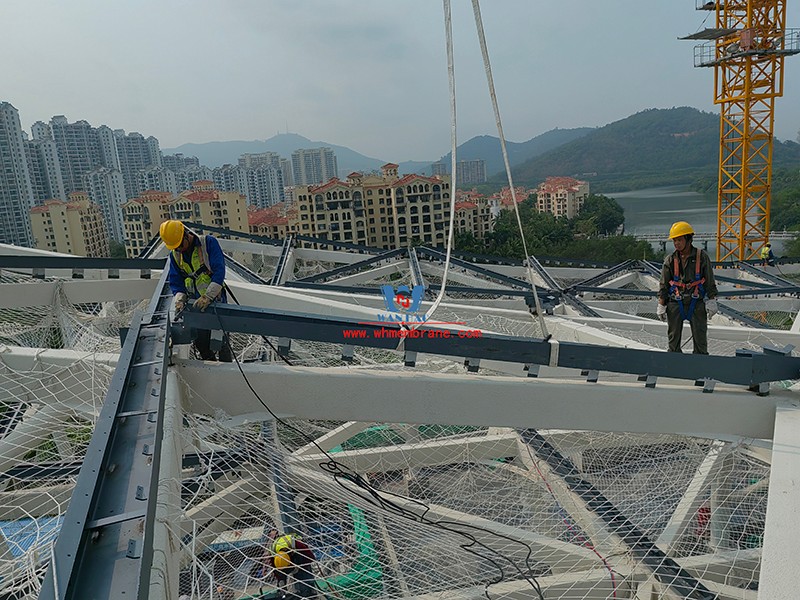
{"x": 679, "y": 229}
{"x": 172, "y": 233}
{"x": 282, "y": 560}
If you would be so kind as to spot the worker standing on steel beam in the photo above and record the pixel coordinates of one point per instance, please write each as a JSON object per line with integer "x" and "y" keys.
{"x": 196, "y": 271}
{"x": 687, "y": 291}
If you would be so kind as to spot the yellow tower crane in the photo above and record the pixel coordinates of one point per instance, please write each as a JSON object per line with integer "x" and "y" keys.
{"x": 747, "y": 50}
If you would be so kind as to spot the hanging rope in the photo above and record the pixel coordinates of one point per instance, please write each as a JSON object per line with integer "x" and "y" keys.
{"x": 490, "y": 80}
{"x": 451, "y": 79}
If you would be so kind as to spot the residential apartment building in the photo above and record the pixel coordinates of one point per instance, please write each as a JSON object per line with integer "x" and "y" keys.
{"x": 561, "y": 196}
{"x": 470, "y": 172}
{"x": 74, "y": 227}
{"x": 79, "y": 150}
{"x": 44, "y": 169}
{"x": 440, "y": 168}
{"x": 82, "y": 148}
{"x": 106, "y": 188}
{"x": 16, "y": 191}
{"x": 187, "y": 175}
{"x": 474, "y": 214}
{"x": 136, "y": 153}
{"x": 277, "y": 221}
{"x": 262, "y": 184}
{"x": 313, "y": 166}
{"x": 143, "y": 216}
{"x": 384, "y": 211}
{"x": 248, "y": 160}
{"x": 159, "y": 179}
{"x": 177, "y": 162}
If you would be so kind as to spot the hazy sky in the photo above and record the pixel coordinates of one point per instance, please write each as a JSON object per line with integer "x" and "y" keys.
{"x": 368, "y": 74}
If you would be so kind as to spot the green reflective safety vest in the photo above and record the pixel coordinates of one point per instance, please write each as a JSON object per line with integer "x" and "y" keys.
{"x": 765, "y": 253}
{"x": 198, "y": 272}
{"x": 285, "y": 542}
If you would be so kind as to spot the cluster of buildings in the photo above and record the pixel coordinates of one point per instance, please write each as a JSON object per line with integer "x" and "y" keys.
{"x": 73, "y": 188}
{"x": 112, "y": 167}
{"x": 468, "y": 172}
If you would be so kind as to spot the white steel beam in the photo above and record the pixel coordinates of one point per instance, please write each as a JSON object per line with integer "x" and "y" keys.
{"x": 217, "y": 514}
{"x": 333, "y": 438}
{"x": 691, "y": 499}
{"x": 423, "y": 454}
{"x": 782, "y": 525}
{"x": 31, "y": 503}
{"x": 416, "y": 397}
{"x": 512, "y": 542}
{"x": 165, "y": 577}
{"x": 18, "y": 358}
{"x": 396, "y": 266}
{"x": 593, "y": 584}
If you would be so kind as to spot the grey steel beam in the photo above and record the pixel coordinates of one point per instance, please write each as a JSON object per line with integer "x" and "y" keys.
{"x": 39, "y": 264}
{"x": 243, "y": 272}
{"x": 747, "y": 368}
{"x": 357, "y": 266}
{"x": 762, "y": 274}
{"x": 580, "y": 306}
{"x": 416, "y": 273}
{"x": 612, "y": 291}
{"x": 542, "y": 272}
{"x": 280, "y": 276}
{"x": 339, "y": 244}
{"x": 261, "y": 239}
{"x": 742, "y": 318}
{"x": 595, "y": 281}
{"x": 104, "y": 549}
{"x": 665, "y": 569}
{"x": 488, "y": 273}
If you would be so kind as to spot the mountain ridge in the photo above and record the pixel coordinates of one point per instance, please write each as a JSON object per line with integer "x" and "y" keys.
{"x": 218, "y": 153}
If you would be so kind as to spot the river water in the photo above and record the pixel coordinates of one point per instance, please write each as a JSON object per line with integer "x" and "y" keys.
{"x": 654, "y": 210}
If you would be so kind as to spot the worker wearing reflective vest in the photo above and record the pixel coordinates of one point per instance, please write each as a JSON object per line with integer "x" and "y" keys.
{"x": 292, "y": 556}
{"x": 767, "y": 257}
{"x": 687, "y": 291}
{"x": 197, "y": 272}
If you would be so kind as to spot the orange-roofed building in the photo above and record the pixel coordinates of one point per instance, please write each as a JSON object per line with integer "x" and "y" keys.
{"x": 561, "y": 196}
{"x": 203, "y": 204}
{"x": 74, "y": 227}
{"x": 380, "y": 210}
{"x": 277, "y": 221}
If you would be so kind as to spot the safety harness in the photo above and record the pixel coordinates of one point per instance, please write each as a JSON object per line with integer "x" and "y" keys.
{"x": 679, "y": 287}
{"x": 195, "y": 281}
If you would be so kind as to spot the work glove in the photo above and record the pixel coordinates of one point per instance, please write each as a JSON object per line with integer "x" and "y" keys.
{"x": 180, "y": 302}
{"x": 202, "y": 302}
{"x": 661, "y": 312}
{"x": 711, "y": 307}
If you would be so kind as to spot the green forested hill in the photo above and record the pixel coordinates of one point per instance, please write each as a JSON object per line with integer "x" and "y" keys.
{"x": 653, "y": 147}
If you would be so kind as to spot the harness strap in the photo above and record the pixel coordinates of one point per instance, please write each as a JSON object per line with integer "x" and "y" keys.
{"x": 695, "y": 286}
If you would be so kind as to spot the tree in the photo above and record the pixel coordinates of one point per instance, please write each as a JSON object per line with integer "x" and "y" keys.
{"x": 606, "y": 214}
{"x": 117, "y": 250}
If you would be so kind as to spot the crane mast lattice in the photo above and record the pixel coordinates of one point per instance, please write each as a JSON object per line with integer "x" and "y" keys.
{"x": 747, "y": 49}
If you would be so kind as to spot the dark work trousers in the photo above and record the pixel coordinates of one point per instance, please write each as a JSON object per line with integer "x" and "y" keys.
{"x": 202, "y": 343}
{"x": 698, "y": 323}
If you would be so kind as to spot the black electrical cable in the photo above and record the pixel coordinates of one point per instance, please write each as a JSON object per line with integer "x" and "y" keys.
{"x": 375, "y": 497}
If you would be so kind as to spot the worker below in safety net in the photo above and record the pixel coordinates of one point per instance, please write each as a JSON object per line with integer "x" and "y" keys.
{"x": 291, "y": 557}
{"x": 687, "y": 291}
{"x": 196, "y": 272}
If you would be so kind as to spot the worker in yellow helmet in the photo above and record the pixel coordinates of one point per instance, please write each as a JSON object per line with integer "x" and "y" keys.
{"x": 197, "y": 272}
{"x": 291, "y": 556}
{"x": 767, "y": 257}
{"x": 687, "y": 290}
